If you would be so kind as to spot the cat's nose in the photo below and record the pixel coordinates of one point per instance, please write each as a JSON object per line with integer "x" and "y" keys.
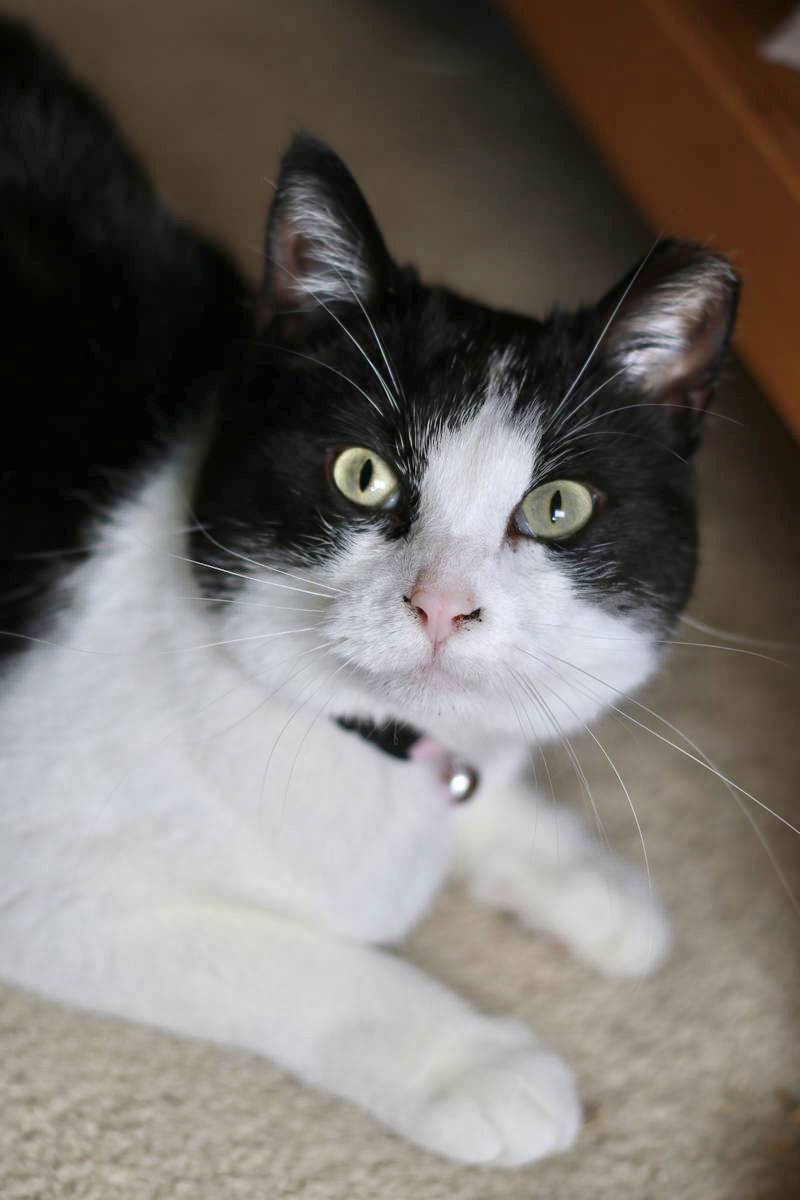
{"x": 442, "y": 611}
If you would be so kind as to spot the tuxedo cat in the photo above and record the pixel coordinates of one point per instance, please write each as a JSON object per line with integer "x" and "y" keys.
{"x": 293, "y": 580}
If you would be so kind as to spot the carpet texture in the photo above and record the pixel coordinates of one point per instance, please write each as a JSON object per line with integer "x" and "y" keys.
{"x": 692, "y": 1079}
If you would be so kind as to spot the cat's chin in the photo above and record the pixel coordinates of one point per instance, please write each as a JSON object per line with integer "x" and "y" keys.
{"x": 428, "y": 688}
{"x": 438, "y": 673}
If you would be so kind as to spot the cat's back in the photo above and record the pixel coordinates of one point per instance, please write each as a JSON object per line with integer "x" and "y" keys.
{"x": 115, "y": 317}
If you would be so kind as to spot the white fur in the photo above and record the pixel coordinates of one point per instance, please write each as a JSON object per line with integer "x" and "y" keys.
{"x": 336, "y": 271}
{"x": 188, "y": 840}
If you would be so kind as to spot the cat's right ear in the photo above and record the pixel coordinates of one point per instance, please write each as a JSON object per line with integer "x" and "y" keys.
{"x": 666, "y": 327}
{"x": 323, "y": 247}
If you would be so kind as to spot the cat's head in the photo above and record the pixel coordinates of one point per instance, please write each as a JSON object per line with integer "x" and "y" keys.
{"x": 487, "y": 505}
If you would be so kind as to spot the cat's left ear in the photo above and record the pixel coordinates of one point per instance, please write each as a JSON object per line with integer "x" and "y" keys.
{"x": 323, "y": 246}
{"x": 669, "y": 325}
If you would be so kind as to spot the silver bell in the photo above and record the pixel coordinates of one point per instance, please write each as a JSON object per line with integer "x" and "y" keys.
{"x": 461, "y": 782}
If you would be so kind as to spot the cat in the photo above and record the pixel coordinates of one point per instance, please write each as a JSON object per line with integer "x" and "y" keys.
{"x": 293, "y": 580}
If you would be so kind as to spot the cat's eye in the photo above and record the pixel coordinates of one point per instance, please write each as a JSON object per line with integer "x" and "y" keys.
{"x": 364, "y": 478}
{"x": 555, "y": 510}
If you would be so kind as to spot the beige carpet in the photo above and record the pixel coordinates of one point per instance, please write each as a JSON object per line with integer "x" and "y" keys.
{"x": 476, "y": 173}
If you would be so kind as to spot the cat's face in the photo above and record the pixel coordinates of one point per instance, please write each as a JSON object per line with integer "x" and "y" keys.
{"x": 484, "y": 518}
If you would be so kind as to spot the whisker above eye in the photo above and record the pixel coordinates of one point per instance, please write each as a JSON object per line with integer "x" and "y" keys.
{"x": 620, "y": 433}
{"x": 319, "y": 363}
{"x": 606, "y": 327}
{"x": 342, "y": 326}
{"x": 559, "y": 424}
{"x": 660, "y": 404}
{"x": 375, "y": 335}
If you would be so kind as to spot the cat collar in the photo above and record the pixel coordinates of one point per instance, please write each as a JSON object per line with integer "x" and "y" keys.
{"x": 458, "y": 778}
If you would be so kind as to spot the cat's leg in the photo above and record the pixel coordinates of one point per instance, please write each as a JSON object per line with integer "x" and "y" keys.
{"x": 535, "y": 859}
{"x": 348, "y": 1018}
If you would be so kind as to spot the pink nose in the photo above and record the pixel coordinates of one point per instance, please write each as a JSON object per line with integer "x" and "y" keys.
{"x": 441, "y": 611}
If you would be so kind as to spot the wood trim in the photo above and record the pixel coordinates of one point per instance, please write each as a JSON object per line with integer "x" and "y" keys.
{"x": 707, "y": 142}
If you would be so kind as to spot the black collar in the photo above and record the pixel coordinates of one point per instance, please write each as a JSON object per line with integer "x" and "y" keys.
{"x": 397, "y": 738}
{"x": 392, "y": 737}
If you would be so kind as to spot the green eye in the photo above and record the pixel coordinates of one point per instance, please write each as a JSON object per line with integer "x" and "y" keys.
{"x": 555, "y": 510}
{"x": 364, "y": 478}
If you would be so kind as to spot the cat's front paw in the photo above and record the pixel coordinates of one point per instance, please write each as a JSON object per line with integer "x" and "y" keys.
{"x": 606, "y": 913}
{"x": 601, "y": 908}
{"x": 499, "y": 1105}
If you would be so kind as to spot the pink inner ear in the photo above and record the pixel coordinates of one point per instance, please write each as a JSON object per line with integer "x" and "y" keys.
{"x": 292, "y": 261}
{"x": 695, "y": 370}
{"x": 676, "y": 346}
{"x": 668, "y": 326}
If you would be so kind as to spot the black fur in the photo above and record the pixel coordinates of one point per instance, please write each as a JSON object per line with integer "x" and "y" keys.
{"x": 392, "y": 737}
{"x": 122, "y": 326}
{"x": 115, "y": 320}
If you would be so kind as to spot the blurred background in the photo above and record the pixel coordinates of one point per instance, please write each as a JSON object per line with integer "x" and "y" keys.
{"x": 525, "y": 154}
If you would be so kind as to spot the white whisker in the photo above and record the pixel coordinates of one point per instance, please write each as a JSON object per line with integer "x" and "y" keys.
{"x": 586, "y": 399}
{"x": 250, "y": 637}
{"x": 660, "y": 404}
{"x": 248, "y": 604}
{"x": 613, "y": 767}
{"x": 668, "y": 641}
{"x": 149, "y": 653}
{"x": 318, "y": 362}
{"x": 531, "y": 734}
{"x": 292, "y": 675}
{"x": 343, "y": 328}
{"x": 181, "y": 723}
{"x": 620, "y": 433}
{"x": 694, "y": 758}
{"x": 702, "y": 627}
{"x": 375, "y": 335}
{"x": 605, "y": 329}
{"x": 311, "y": 725}
{"x": 295, "y": 711}
{"x": 540, "y": 701}
{"x": 263, "y": 566}
{"x": 745, "y": 812}
{"x": 250, "y": 578}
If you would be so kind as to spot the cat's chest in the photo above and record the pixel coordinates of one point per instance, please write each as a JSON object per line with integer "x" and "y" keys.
{"x": 327, "y": 826}
{"x": 188, "y": 777}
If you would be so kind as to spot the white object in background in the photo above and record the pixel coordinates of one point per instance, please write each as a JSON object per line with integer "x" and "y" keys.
{"x": 783, "y": 45}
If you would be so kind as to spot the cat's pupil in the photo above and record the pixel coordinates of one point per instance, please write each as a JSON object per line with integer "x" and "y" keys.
{"x": 556, "y": 511}
{"x": 365, "y": 475}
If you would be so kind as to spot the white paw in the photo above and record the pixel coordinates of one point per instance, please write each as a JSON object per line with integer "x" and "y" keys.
{"x": 600, "y": 907}
{"x": 606, "y": 913}
{"x": 502, "y": 1105}
{"x": 609, "y": 917}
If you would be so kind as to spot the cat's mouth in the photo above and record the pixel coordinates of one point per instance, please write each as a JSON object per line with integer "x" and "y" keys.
{"x": 434, "y": 677}
{"x": 439, "y": 671}
{"x": 438, "y": 674}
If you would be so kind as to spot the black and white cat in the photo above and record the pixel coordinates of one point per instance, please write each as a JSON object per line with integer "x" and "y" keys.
{"x": 285, "y": 575}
